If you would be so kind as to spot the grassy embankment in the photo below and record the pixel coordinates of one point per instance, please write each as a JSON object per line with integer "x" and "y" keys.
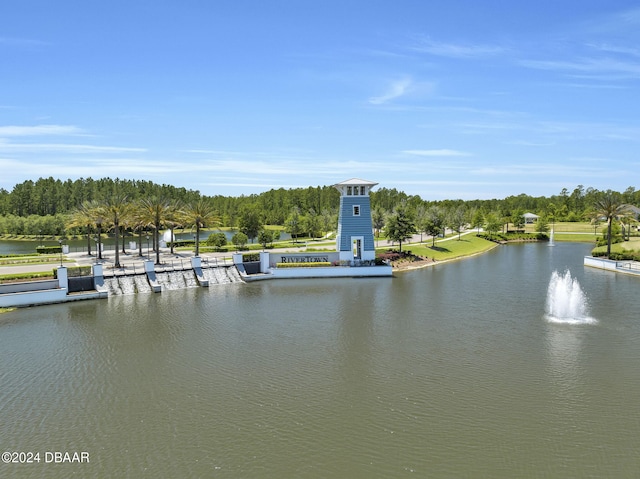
{"x": 631, "y": 246}
{"x": 469, "y": 244}
{"x": 448, "y": 248}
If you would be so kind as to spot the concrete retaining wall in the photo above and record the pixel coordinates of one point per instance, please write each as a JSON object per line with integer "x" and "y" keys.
{"x": 332, "y": 272}
{"x": 625, "y": 267}
{"x": 26, "y": 286}
{"x": 30, "y": 298}
{"x": 600, "y": 263}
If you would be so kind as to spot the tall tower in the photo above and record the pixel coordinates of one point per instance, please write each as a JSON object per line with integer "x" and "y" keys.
{"x": 355, "y": 230}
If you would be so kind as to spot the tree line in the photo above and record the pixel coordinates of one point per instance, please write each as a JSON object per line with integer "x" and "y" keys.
{"x": 47, "y": 206}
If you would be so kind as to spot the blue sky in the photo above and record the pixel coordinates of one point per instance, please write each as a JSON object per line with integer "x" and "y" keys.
{"x": 458, "y": 99}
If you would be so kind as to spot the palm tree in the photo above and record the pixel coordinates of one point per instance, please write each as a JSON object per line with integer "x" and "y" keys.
{"x": 89, "y": 213}
{"x": 608, "y": 204}
{"x": 116, "y": 208}
{"x": 139, "y": 225}
{"x": 126, "y": 222}
{"x": 174, "y": 219}
{"x": 82, "y": 217}
{"x": 99, "y": 218}
{"x": 154, "y": 212}
{"x": 199, "y": 214}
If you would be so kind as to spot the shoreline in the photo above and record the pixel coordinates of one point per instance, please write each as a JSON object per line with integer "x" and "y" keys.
{"x": 432, "y": 262}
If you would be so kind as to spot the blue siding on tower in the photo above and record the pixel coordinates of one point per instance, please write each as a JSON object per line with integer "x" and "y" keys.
{"x": 349, "y": 225}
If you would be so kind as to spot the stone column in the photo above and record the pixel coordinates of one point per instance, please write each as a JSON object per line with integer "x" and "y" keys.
{"x": 63, "y": 281}
{"x": 264, "y": 261}
{"x": 97, "y": 270}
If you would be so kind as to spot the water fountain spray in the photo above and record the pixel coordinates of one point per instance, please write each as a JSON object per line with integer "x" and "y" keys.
{"x": 566, "y": 302}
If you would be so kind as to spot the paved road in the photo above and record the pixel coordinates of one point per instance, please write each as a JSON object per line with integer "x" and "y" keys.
{"x": 30, "y": 268}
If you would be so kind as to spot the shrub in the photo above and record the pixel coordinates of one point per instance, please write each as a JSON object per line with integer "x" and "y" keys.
{"x": 395, "y": 256}
{"x": 75, "y": 271}
{"x": 603, "y": 241}
{"x": 513, "y": 236}
{"x": 240, "y": 240}
{"x": 217, "y": 239}
{"x": 390, "y": 256}
{"x": 322, "y": 264}
{"x": 48, "y": 249}
{"x": 246, "y": 258}
{"x": 619, "y": 255}
{"x": 183, "y": 243}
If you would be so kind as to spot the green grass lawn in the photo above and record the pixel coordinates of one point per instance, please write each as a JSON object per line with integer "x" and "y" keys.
{"x": 632, "y": 245}
{"x": 32, "y": 260}
{"x": 570, "y": 227}
{"x": 572, "y": 231}
{"x": 26, "y": 276}
{"x": 449, "y": 249}
{"x": 576, "y": 237}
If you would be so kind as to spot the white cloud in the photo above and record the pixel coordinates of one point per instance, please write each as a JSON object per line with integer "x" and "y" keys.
{"x": 441, "y": 152}
{"x": 544, "y": 170}
{"x": 599, "y": 66}
{"x": 64, "y": 147}
{"x": 608, "y": 47}
{"x": 397, "y": 89}
{"x": 458, "y": 50}
{"x": 529, "y": 143}
{"x": 39, "y": 130}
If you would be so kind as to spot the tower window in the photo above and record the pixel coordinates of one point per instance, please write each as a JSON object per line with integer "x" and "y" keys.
{"x": 356, "y": 210}
{"x": 362, "y": 190}
{"x": 349, "y": 190}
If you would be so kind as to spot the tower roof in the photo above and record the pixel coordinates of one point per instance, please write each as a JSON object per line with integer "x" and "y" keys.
{"x": 356, "y": 181}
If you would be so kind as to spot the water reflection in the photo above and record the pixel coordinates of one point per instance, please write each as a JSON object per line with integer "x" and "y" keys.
{"x": 563, "y": 350}
{"x": 446, "y": 372}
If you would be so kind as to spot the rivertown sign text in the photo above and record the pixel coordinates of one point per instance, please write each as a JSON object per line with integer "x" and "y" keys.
{"x": 304, "y": 259}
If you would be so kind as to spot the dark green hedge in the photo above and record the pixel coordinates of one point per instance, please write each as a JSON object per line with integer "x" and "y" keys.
{"x": 603, "y": 241}
{"x": 75, "y": 271}
{"x": 619, "y": 256}
{"x": 511, "y": 236}
{"x": 48, "y": 249}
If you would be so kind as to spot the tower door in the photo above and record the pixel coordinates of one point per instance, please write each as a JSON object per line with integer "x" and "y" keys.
{"x": 357, "y": 247}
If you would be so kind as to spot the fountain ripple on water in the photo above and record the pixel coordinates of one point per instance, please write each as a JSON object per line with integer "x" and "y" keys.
{"x": 566, "y": 302}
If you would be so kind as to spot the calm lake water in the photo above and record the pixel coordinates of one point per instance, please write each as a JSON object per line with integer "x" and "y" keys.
{"x": 451, "y": 371}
